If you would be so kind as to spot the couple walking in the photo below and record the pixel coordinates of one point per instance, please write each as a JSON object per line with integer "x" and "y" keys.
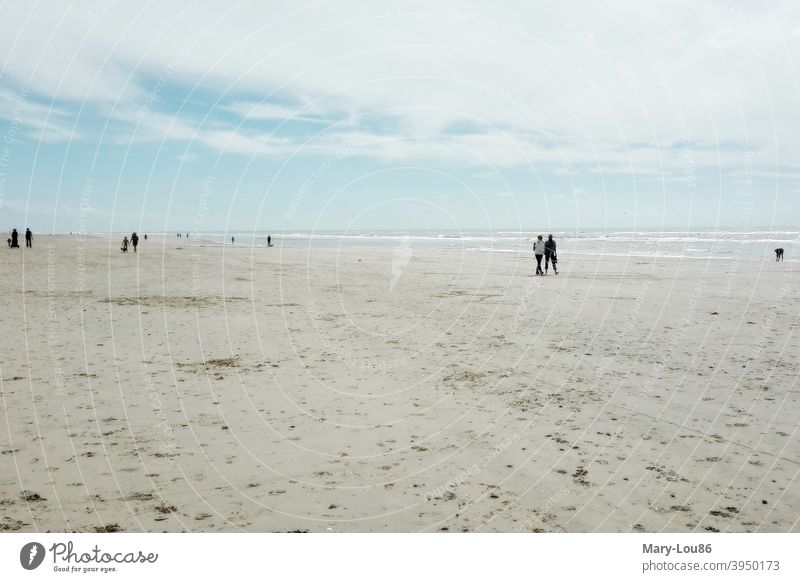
{"x": 546, "y": 249}
{"x": 134, "y": 241}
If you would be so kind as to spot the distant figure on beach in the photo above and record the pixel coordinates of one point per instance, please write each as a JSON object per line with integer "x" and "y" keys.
{"x": 550, "y": 254}
{"x": 179, "y": 235}
{"x": 28, "y": 238}
{"x": 124, "y": 247}
{"x": 538, "y": 250}
{"x": 187, "y": 235}
{"x": 135, "y": 241}
{"x": 145, "y": 236}
{"x": 14, "y": 239}
{"x": 269, "y": 240}
{"x": 778, "y": 254}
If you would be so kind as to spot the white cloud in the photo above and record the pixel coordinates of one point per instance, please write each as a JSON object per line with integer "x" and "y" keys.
{"x": 30, "y": 119}
{"x": 563, "y": 84}
{"x": 270, "y": 112}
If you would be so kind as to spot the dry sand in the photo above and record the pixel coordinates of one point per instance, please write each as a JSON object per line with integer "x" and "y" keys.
{"x": 204, "y": 388}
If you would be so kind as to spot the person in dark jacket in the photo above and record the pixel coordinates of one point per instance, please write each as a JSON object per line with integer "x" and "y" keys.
{"x": 550, "y": 254}
{"x": 135, "y": 241}
{"x": 28, "y": 238}
{"x": 14, "y": 239}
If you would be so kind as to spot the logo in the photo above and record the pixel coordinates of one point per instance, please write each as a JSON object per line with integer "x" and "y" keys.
{"x": 31, "y": 555}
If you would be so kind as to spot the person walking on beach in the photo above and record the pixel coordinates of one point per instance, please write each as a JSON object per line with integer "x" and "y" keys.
{"x": 233, "y": 243}
{"x": 124, "y": 247}
{"x": 778, "y": 255}
{"x": 145, "y": 236}
{"x": 135, "y": 241}
{"x": 538, "y": 250}
{"x": 28, "y": 238}
{"x": 14, "y": 239}
{"x": 550, "y": 254}
{"x": 269, "y": 240}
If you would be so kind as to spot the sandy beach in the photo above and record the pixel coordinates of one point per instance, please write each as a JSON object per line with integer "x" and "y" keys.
{"x": 193, "y": 387}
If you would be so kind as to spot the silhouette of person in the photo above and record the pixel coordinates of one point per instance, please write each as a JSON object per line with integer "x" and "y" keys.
{"x": 135, "y": 241}
{"x": 145, "y": 236}
{"x": 124, "y": 247}
{"x": 28, "y": 238}
{"x": 269, "y": 240}
{"x": 778, "y": 255}
{"x": 550, "y": 254}
{"x": 14, "y": 239}
{"x": 538, "y": 250}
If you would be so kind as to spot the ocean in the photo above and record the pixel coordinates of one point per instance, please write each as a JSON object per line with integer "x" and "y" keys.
{"x": 727, "y": 244}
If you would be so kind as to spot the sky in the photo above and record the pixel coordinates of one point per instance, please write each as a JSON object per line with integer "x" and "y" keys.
{"x": 357, "y": 115}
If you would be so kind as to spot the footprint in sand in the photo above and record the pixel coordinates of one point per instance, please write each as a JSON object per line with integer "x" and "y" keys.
{"x": 9, "y": 524}
{"x": 31, "y": 496}
{"x": 164, "y": 508}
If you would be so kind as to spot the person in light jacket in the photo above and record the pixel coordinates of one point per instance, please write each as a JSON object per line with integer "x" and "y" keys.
{"x": 538, "y": 250}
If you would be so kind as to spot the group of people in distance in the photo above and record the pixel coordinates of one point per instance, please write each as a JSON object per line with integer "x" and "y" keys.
{"x": 546, "y": 249}
{"x": 133, "y": 241}
{"x": 13, "y": 240}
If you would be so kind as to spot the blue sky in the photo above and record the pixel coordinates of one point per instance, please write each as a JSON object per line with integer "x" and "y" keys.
{"x": 398, "y": 115}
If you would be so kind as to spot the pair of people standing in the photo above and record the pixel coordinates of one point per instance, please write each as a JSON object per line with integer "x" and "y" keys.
{"x": 13, "y": 241}
{"x": 546, "y": 249}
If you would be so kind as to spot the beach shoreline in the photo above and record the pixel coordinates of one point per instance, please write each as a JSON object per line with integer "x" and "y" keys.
{"x": 190, "y": 388}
